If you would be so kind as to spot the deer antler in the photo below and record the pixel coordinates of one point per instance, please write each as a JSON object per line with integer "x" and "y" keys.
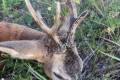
{"x": 38, "y": 18}
{"x": 57, "y": 20}
{"x": 74, "y": 20}
{"x": 79, "y": 20}
{"x": 71, "y": 16}
{"x": 72, "y": 8}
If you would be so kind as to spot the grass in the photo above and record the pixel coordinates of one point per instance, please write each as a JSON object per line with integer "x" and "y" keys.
{"x": 101, "y": 56}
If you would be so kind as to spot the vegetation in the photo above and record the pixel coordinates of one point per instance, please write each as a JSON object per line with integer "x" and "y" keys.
{"x": 98, "y": 39}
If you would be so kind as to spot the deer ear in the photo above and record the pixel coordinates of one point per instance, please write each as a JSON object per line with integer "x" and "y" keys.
{"x": 24, "y": 49}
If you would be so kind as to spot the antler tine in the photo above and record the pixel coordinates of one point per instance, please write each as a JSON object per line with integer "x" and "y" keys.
{"x": 57, "y": 20}
{"x": 80, "y": 18}
{"x": 74, "y": 19}
{"x": 72, "y": 15}
{"x": 72, "y": 8}
{"x": 37, "y": 18}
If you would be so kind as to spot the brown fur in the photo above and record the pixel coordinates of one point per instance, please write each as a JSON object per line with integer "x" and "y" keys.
{"x": 55, "y": 47}
{"x": 12, "y": 31}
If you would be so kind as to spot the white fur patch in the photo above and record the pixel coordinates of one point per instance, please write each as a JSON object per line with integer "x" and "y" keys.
{"x": 12, "y": 52}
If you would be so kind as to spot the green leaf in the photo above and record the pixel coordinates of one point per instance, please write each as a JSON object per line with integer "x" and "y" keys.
{"x": 77, "y": 1}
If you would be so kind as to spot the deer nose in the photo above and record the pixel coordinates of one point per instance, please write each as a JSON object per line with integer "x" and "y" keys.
{"x": 67, "y": 79}
{"x": 61, "y": 77}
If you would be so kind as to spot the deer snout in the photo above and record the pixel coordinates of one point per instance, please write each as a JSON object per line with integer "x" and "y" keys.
{"x": 57, "y": 76}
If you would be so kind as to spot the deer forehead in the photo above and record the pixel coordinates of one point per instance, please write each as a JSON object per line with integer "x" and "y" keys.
{"x": 58, "y": 63}
{"x": 58, "y": 58}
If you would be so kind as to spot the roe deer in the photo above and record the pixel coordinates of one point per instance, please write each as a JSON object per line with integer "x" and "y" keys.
{"x": 55, "y": 47}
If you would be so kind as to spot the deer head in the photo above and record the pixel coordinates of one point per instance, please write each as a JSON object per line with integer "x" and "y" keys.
{"x": 55, "y": 47}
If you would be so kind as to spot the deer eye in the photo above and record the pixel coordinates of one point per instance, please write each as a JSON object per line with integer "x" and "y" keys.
{"x": 58, "y": 76}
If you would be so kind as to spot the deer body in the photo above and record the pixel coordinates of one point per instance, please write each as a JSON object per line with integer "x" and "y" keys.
{"x": 55, "y": 47}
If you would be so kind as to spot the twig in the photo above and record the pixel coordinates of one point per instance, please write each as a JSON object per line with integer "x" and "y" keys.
{"x": 110, "y": 41}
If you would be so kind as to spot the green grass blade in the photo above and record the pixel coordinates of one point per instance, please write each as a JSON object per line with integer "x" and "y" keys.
{"x": 36, "y": 74}
{"x": 109, "y": 55}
